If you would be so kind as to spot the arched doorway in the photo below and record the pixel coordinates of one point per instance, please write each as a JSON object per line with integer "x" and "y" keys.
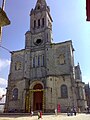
{"x": 38, "y": 97}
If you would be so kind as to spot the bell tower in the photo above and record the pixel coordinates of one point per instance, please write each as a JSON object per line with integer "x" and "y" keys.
{"x": 40, "y": 26}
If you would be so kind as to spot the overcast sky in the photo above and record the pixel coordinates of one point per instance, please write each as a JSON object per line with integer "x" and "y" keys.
{"x": 69, "y": 23}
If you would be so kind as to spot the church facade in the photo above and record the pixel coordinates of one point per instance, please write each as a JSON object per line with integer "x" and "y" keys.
{"x": 43, "y": 75}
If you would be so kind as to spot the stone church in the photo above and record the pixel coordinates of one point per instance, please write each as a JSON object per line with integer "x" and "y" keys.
{"x": 43, "y": 75}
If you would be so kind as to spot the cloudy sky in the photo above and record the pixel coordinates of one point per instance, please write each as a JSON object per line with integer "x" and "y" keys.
{"x": 69, "y": 23}
{"x": 4, "y": 68}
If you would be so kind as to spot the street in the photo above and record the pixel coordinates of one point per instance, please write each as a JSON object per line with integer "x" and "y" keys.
{"x": 49, "y": 117}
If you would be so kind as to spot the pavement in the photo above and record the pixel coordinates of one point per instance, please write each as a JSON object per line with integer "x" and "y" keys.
{"x": 47, "y": 117}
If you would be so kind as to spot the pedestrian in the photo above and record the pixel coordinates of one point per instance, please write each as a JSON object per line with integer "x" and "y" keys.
{"x": 74, "y": 110}
{"x": 41, "y": 114}
{"x": 38, "y": 115}
{"x": 87, "y": 109}
{"x": 56, "y": 112}
{"x": 31, "y": 113}
{"x": 71, "y": 111}
{"x": 79, "y": 110}
{"x": 68, "y": 111}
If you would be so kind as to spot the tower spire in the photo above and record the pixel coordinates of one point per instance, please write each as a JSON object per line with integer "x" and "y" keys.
{"x": 41, "y": 2}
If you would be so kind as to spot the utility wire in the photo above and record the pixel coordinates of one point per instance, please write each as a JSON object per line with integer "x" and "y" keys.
{"x": 5, "y": 49}
{"x": 11, "y": 52}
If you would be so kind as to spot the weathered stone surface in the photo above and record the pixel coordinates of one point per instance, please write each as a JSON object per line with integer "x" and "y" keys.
{"x": 44, "y": 72}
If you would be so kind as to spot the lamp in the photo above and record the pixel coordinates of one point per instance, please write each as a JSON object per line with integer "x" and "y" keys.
{"x": 4, "y": 20}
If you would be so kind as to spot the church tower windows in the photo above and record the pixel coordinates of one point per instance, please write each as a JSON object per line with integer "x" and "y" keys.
{"x": 38, "y": 7}
{"x": 38, "y": 23}
{"x": 42, "y": 22}
{"x": 34, "y": 23}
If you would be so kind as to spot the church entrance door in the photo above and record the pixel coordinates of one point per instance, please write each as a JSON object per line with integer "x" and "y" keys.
{"x": 38, "y": 97}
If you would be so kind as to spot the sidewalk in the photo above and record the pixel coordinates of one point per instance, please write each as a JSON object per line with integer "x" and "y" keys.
{"x": 48, "y": 117}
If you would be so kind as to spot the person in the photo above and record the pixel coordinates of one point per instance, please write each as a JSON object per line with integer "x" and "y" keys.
{"x": 87, "y": 109}
{"x": 74, "y": 110}
{"x": 71, "y": 111}
{"x": 55, "y": 111}
{"x": 31, "y": 113}
{"x": 68, "y": 111}
{"x": 41, "y": 114}
{"x": 38, "y": 115}
{"x": 79, "y": 110}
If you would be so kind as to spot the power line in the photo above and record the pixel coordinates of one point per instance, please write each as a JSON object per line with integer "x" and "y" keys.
{"x": 11, "y": 52}
{"x": 5, "y": 49}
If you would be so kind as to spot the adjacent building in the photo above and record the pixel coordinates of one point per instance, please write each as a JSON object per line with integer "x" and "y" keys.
{"x": 87, "y": 93}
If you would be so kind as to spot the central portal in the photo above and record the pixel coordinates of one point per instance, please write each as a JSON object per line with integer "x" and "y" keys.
{"x": 38, "y": 97}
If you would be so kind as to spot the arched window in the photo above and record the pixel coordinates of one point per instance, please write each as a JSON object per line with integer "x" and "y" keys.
{"x": 42, "y": 22}
{"x": 62, "y": 59}
{"x": 33, "y": 61}
{"x": 15, "y": 94}
{"x": 34, "y": 23}
{"x": 18, "y": 65}
{"x": 38, "y": 7}
{"x": 64, "y": 91}
{"x": 38, "y": 22}
{"x": 42, "y": 60}
{"x": 39, "y": 60}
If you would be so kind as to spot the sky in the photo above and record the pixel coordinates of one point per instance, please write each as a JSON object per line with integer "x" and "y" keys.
{"x": 69, "y": 23}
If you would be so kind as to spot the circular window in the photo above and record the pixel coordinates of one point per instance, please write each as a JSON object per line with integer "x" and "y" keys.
{"x": 38, "y": 7}
{"x": 38, "y": 42}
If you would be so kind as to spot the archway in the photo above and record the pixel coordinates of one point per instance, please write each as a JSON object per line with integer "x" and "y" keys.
{"x": 38, "y": 97}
